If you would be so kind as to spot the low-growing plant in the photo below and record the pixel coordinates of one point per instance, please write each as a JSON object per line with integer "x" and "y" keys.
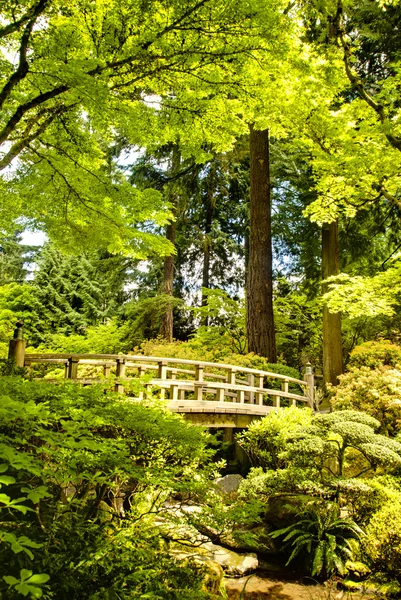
{"x": 322, "y": 538}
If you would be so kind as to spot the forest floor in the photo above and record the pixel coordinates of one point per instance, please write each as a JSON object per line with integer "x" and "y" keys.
{"x": 256, "y": 587}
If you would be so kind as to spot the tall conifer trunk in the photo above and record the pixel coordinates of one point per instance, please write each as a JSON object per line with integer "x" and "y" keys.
{"x": 207, "y": 244}
{"x": 167, "y": 321}
{"x": 332, "y": 341}
{"x": 260, "y": 319}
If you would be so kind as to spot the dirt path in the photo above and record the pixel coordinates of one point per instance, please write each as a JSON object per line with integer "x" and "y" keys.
{"x": 258, "y": 588}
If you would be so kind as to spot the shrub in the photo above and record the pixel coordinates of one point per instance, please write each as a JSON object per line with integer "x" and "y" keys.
{"x": 376, "y": 354}
{"x": 374, "y": 391}
{"x": 88, "y": 471}
{"x": 322, "y": 538}
{"x": 265, "y": 440}
{"x": 384, "y": 539}
{"x": 193, "y": 350}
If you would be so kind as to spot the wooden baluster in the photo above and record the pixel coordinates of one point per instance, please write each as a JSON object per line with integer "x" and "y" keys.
{"x": 120, "y": 373}
{"x": 174, "y": 391}
{"x": 277, "y": 399}
{"x": 284, "y": 387}
{"x": 259, "y": 395}
{"x": 66, "y": 369}
{"x": 181, "y": 394}
{"x": 310, "y": 385}
{"x": 199, "y": 372}
{"x": 173, "y": 373}
{"x": 141, "y": 373}
{"x": 198, "y": 391}
{"x": 73, "y": 367}
{"x": 231, "y": 376}
{"x": 162, "y": 373}
{"x": 106, "y": 369}
{"x": 220, "y": 394}
{"x": 251, "y": 382}
{"x": 241, "y": 396}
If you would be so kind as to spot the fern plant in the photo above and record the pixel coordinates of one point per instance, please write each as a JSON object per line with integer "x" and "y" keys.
{"x": 324, "y": 537}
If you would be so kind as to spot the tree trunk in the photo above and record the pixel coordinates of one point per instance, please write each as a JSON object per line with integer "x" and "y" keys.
{"x": 260, "y": 319}
{"x": 207, "y": 245}
{"x": 167, "y": 321}
{"x": 332, "y": 341}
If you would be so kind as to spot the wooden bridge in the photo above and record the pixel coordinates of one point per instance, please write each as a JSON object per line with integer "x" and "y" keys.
{"x": 212, "y": 394}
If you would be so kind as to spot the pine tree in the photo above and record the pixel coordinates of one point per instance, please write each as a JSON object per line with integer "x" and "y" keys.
{"x": 15, "y": 258}
{"x": 69, "y": 292}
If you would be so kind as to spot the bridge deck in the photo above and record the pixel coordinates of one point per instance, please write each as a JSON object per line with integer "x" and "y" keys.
{"x": 206, "y": 389}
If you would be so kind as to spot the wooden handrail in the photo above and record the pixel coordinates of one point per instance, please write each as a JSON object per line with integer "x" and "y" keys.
{"x": 130, "y": 358}
{"x": 227, "y": 389}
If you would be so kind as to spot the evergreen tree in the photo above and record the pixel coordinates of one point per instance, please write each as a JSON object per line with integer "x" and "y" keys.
{"x": 15, "y": 258}
{"x": 68, "y": 291}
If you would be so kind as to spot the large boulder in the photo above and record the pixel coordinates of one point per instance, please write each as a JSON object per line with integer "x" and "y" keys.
{"x": 229, "y": 483}
{"x": 234, "y": 564}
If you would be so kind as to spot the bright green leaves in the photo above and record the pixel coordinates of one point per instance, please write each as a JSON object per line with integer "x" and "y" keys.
{"x": 358, "y": 296}
{"x": 28, "y": 583}
{"x": 105, "y": 467}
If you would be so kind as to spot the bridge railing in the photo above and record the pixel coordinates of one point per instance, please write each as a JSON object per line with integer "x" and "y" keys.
{"x": 204, "y": 381}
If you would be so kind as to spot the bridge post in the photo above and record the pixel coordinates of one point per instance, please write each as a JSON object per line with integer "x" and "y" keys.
{"x": 120, "y": 372}
{"x": 73, "y": 367}
{"x": 198, "y": 391}
{"x": 220, "y": 394}
{"x": 259, "y": 395}
{"x": 141, "y": 373}
{"x": 276, "y": 401}
{"x": 16, "y": 347}
{"x": 162, "y": 373}
{"x": 251, "y": 382}
{"x": 310, "y": 382}
{"x": 231, "y": 376}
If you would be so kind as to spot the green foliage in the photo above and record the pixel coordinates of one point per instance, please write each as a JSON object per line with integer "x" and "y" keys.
{"x": 17, "y": 302}
{"x": 373, "y": 391}
{"x": 99, "y": 339}
{"x": 298, "y": 328}
{"x": 317, "y": 455}
{"x": 193, "y": 350}
{"x": 142, "y": 318}
{"x": 384, "y": 539}
{"x": 87, "y": 472}
{"x": 323, "y": 538}
{"x": 225, "y": 316}
{"x": 376, "y": 354}
{"x": 14, "y": 257}
{"x": 265, "y": 440}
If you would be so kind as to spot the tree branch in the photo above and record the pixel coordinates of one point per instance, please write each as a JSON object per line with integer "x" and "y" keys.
{"x": 23, "y": 65}
{"x": 26, "y": 139}
{"x": 32, "y": 13}
{"x": 359, "y": 86}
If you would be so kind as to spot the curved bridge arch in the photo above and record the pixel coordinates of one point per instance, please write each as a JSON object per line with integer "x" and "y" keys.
{"x": 213, "y": 394}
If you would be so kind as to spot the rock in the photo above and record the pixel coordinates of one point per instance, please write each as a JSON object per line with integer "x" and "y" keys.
{"x": 233, "y": 563}
{"x": 229, "y": 483}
